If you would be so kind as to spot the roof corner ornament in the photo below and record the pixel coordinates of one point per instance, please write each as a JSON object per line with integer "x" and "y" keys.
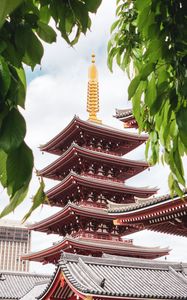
{"x": 93, "y": 92}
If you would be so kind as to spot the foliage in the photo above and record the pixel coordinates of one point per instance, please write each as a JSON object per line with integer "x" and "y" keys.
{"x": 23, "y": 25}
{"x": 149, "y": 42}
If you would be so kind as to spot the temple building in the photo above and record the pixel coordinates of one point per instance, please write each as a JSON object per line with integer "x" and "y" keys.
{"x": 92, "y": 172}
{"x": 94, "y": 260}
{"x": 161, "y": 214}
{"x": 110, "y": 277}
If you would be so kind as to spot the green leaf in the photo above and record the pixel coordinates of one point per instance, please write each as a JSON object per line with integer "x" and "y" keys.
{"x": 37, "y": 200}
{"x": 3, "y": 46}
{"x": 4, "y": 77}
{"x": 179, "y": 166}
{"x": 142, "y": 17}
{"x": 17, "y": 199}
{"x": 114, "y": 25}
{"x": 45, "y": 14}
{"x": 34, "y": 50}
{"x": 151, "y": 92}
{"x": 154, "y": 50}
{"x": 178, "y": 189}
{"x": 147, "y": 69}
{"x": 46, "y": 32}
{"x": 171, "y": 183}
{"x": 13, "y": 131}
{"x": 133, "y": 86}
{"x": 6, "y": 7}
{"x": 92, "y": 6}
{"x": 147, "y": 149}
{"x": 181, "y": 118}
{"x": 81, "y": 14}
{"x": 28, "y": 45}
{"x": 142, "y": 4}
{"x": 21, "y": 87}
{"x": 19, "y": 168}
{"x": 3, "y": 173}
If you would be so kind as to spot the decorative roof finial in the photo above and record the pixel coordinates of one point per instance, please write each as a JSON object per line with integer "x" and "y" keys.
{"x": 93, "y": 92}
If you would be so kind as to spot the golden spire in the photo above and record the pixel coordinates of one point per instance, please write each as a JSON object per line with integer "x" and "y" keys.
{"x": 93, "y": 92}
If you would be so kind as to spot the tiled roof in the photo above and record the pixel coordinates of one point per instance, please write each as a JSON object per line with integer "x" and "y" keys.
{"x": 140, "y": 203}
{"x": 113, "y": 276}
{"x": 121, "y": 113}
{"x": 15, "y": 285}
{"x": 94, "y": 245}
{"x": 36, "y": 291}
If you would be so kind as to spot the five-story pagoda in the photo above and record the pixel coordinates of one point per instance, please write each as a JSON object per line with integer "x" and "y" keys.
{"x": 92, "y": 173}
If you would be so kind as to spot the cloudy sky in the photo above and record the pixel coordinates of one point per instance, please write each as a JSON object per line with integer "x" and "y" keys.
{"x": 56, "y": 92}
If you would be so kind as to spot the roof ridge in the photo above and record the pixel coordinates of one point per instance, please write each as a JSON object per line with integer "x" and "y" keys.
{"x": 177, "y": 274}
{"x": 98, "y": 279}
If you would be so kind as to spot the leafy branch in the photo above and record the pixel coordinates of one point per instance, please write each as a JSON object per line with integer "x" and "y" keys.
{"x": 149, "y": 42}
{"x": 23, "y": 25}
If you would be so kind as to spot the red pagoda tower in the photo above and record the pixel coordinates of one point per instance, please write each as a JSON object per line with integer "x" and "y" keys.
{"x": 92, "y": 171}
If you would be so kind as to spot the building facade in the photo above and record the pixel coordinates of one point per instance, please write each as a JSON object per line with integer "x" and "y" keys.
{"x": 15, "y": 240}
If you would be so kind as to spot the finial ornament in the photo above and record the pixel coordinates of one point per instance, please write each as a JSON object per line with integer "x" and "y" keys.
{"x": 93, "y": 92}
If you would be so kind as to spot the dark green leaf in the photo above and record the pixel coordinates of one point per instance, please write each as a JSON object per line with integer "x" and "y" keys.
{"x": 46, "y": 32}
{"x": 34, "y": 50}
{"x": 3, "y": 46}
{"x": 45, "y": 14}
{"x": 3, "y": 173}
{"x": 179, "y": 167}
{"x": 92, "y": 6}
{"x": 181, "y": 118}
{"x": 19, "y": 167}
{"x": 13, "y": 131}
{"x": 6, "y": 7}
{"x": 28, "y": 45}
{"x": 4, "y": 77}
{"x": 147, "y": 69}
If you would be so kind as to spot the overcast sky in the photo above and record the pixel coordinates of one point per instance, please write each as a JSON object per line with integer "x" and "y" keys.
{"x": 56, "y": 92}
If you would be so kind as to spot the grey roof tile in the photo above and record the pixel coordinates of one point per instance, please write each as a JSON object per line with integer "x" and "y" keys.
{"x": 125, "y": 277}
{"x": 35, "y": 292}
{"x": 16, "y": 284}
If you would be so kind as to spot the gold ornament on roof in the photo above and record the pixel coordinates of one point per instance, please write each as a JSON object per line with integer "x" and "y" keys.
{"x": 93, "y": 92}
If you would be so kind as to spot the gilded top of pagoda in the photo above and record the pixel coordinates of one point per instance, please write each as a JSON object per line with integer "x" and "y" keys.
{"x": 93, "y": 92}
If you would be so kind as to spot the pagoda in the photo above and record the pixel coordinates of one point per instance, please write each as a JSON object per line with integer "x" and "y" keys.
{"x": 92, "y": 172}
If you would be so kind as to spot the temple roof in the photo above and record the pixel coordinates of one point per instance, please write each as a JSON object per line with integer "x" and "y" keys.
{"x": 14, "y": 285}
{"x": 121, "y": 277}
{"x": 77, "y": 125}
{"x": 75, "y": 152}
{"x": 96, "y": 247}
{"x": 74, "y": 179}
{"x": 122, "y": 113}
{"x": 142, "y": 203}
{"x": 126, "y": 116}
{"x": 35, "y": 291}
{"x": 70, "y": 211}
{"x": 162, "y": 214}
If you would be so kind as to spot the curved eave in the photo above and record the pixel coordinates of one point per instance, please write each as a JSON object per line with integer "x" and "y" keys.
{"x": 70, "y": 209}
{"x": 76, "y": 150}
{"x": 95, "y": 246}
{"x": 76, "y": 124}
{"x": 156, "y": 210}
{"x": 74, "y": 179}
